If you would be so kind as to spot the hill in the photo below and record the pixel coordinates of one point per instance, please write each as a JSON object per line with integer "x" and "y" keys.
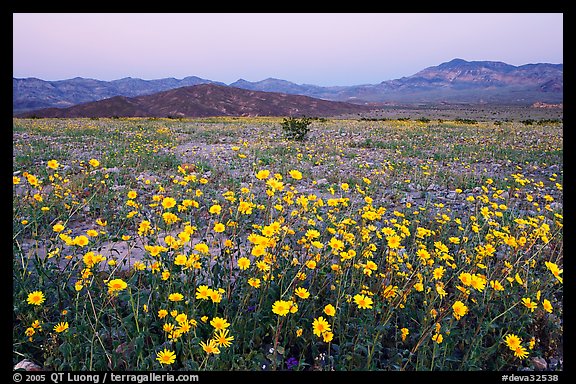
{"x": 32, "y": 93}
{"x": 204, "y": 100}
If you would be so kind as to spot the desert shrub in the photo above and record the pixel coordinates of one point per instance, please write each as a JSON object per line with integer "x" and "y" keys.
{"x": 466, "y": 121}
{"x": 296, "y": 129}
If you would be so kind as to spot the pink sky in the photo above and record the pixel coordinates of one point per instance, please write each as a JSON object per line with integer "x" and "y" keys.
{"x": 322, "y": 49}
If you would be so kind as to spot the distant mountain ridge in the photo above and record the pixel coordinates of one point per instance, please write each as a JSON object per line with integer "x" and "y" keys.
{"x": 487, "y": 82}
{"x": 32, "y": 93}
{"x": 456, "y": 81}
{"x": 204, "y": 100}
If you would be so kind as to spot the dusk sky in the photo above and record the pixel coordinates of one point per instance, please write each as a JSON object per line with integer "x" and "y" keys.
{"x": 318, "y": 48}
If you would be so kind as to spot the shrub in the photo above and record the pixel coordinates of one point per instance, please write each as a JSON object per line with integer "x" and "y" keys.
{"x": 296, "y": 129}
{"x": 466, "y": 121}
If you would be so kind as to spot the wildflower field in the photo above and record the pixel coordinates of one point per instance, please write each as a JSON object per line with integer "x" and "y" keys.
{"x": 219, "y": 244}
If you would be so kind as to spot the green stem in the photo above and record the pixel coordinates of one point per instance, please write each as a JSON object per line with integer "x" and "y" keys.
{"x": 135, "y": 309}
{"x": 503, "y": 313}
{"x": 433, "y": 355}
{"x": 95, "y": 326}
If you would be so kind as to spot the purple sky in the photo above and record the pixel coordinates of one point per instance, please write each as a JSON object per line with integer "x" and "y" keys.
{"x": 319, "y": 48}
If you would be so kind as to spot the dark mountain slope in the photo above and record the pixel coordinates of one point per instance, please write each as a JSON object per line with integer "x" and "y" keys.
{"x": 205, "y": 100}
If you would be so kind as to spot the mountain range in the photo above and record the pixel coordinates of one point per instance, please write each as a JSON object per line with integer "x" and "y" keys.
{"x": 205, "y": 100}
{"x": 455, "y": 82}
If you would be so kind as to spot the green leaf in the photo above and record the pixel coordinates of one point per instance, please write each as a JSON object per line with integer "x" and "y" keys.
{"x": 138, "y": 344}
{"x": 65, "y": 348}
